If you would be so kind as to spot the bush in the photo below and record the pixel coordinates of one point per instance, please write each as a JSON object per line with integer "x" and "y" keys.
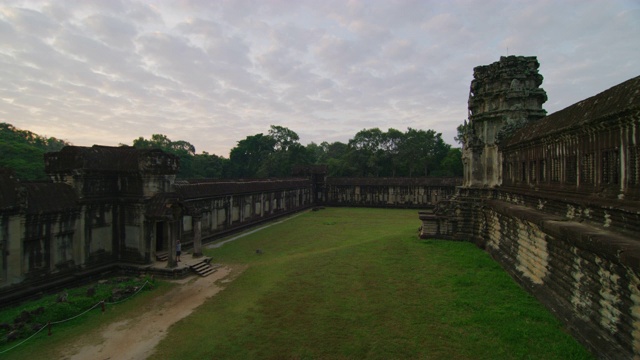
{"x": 26, "y": 319}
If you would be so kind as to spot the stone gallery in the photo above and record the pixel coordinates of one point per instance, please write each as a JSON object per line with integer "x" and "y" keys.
{"x": 555, "y": 199}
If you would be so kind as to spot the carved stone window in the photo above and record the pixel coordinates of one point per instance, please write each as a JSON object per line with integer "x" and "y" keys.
{"x": 587, "y": 170}
{"x": 523, "y": 174}
{"x": 532, "y": 171}
{"x": 36, "y": 254}
{"x": 543, "y": 171}
{"x": 633, "y": 165}
{"x": 572, "y": 169}
{"x": 509, "y": 172}
{"x": 555, "y": 170}
{"x": 610, "y": 166}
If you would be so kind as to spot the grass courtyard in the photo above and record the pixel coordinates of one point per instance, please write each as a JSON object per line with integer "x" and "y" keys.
{"x": 344, "y": 283}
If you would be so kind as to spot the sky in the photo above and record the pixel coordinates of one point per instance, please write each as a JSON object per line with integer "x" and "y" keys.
{"x": 213, "y": 72}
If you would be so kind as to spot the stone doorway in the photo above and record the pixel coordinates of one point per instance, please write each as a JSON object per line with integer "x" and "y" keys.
{"x": 161, "y": 244}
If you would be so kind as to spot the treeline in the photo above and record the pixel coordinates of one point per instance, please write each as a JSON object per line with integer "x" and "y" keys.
{"x": 23, "y": 151}
{"x": 370, "y": 153}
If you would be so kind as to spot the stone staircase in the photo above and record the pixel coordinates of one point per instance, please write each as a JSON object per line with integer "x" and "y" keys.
{"x": 203, "y": 268}
{"x": 162, "y": 256}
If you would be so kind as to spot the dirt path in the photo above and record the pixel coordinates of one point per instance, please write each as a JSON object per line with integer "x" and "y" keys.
{"x": 136, "y": 338}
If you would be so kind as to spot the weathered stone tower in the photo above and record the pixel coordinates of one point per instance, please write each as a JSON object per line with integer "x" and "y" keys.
{"x": 503, "y": 96}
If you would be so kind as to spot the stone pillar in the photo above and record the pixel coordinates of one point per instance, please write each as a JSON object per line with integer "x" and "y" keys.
{"x": 174, "y": 234}
{"x": 197, "y": 235}
{"x": 14, "y": 250}
{"x": 172, "y": 231}
{"x": 214, "y": 216}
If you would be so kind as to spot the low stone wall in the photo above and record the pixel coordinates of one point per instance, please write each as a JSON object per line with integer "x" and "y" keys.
{"x": 389, "y": 192}
{"x": 587, "y": 277}
{"x": 583, "y": 269}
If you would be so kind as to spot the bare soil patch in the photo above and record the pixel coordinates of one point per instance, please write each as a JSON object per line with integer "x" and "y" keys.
{"x": 136, "y": 337}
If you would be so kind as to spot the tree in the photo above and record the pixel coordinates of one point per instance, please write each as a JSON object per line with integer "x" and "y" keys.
{"x": 271, "y": 155}
{"x": 23, "y": 151}
{"x": 159, "y": 141}
{"x": 316, "y": 153}
{"x": 287, "y": 152}
{"x": 392, "y": 141}
{"x": 284, "y": 137}
{"x": 183, "y": 149}
{"x": 206, "y": 166}
{"x": 422, "y": 151}
{"x": 451, "y": 165}
{"x": 249, "y": 155}
{"x": 365, "y": 152}
{"x": 335, "y": 157}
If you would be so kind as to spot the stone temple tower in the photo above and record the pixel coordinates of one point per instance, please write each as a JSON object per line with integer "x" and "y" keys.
{"x": 503, "y": 97}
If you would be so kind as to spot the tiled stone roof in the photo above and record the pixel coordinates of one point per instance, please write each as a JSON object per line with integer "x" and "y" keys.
{"x": 35, "y": 197}
{"x": 609, "y": 104}
{"x": 203, "y": 188}
{"x": 110, "y": 159}
{"x": 49, "y": 197}
{"x": 422, "y": 181}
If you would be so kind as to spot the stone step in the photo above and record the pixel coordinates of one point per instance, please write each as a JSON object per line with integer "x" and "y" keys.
{"x": 162, "y": 256}
{"x": 203, "y": 268}
{"x": 207, "y": 272}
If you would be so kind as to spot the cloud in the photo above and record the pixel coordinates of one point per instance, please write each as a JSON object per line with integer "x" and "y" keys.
{"x": 212, "y": 73}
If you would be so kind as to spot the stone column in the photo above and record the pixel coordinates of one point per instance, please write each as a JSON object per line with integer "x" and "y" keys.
{"x": 172, "y": 231}
{"x": 197, "y": 235}
{"x": 14, "y": 249}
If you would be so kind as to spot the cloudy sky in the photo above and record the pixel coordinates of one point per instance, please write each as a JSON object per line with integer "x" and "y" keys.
{"x": 212, "y": 72}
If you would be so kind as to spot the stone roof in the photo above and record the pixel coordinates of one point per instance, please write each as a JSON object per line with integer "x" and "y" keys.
{"x": 45, "y": 198}
{"x": 35, "y": 197}
{"x": 420, "y": 181}
{"x": 110, "y": 159}
{"x": 607, "y": 105}
{"x": 159, "y": 206}
{"x": 193, "y": 189}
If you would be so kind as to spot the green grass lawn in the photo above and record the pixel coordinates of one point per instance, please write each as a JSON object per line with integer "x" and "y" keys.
{"x": 346, "y": 283}
{"x": 45, "y": 346}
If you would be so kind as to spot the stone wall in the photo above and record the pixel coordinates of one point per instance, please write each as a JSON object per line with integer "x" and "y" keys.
{"x": 218, "y": 207}
{"x": 586, "y": 276}
{"x": 110, "y": 207}
{"x": 563, "y": 216}
{"x": 389, "y": 192}
{"x": 107, "y": 207}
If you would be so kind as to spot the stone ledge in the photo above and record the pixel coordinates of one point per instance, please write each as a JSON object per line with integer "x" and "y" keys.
{"x": 610, "y": 245}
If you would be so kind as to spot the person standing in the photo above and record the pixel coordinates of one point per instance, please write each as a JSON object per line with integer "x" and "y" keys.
{"x": 178, "y": 250}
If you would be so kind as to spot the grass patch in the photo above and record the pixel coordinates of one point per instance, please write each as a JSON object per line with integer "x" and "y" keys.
{"x": 33, "y": 315}
{"x": 348, "y": 283}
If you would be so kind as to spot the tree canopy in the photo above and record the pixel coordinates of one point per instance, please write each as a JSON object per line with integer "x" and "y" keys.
{"x": 192, "y": 165}
{"x": 370, "y": 153}
{"x": 23, "y": 151}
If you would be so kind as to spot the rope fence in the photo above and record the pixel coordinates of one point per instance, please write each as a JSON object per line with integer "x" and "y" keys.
{"x": 101, "y": 303}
